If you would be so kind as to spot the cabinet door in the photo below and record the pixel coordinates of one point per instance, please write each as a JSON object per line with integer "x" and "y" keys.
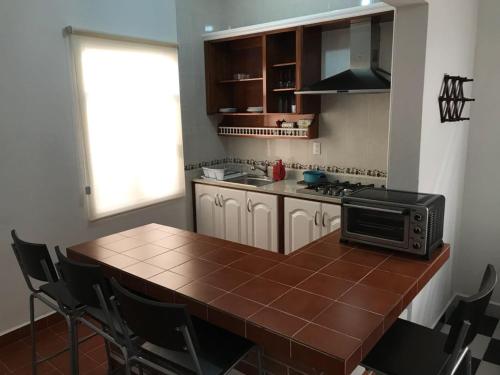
{"x": 234, "y": 223}
{"x": 302, "y": 223}
{"x": 207, "y": 212}
{"x": 330, "y": 219}
{"x": 262, "y": 221}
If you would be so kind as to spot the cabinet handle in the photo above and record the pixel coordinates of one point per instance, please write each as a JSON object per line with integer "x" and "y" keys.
{"x": 249, "y": 205}
{"x": 325, "y": 216}
{"x": 217, "y": 200}
{"x": 221, "y": 200}
{"x": 316, "y": 220}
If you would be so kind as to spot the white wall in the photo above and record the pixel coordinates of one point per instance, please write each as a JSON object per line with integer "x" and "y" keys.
{"x": 449, "y": 48}
{"x": 40, "y": 170}
{"x": 480, "y": 231}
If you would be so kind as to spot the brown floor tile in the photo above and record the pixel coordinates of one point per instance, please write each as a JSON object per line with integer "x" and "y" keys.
{"x": 223, "y": 256}
{"x": 145, "y": 252}
{"x": 277, "y": 257}
{"x": 44, "y": 368}
{"x": 201, "y": 292}
{"x": 143, "y": 270}
{"x": 91, "y": 344}
{"x": 396, "y": 265}
{"x": 168, "y": 260}
{"x": 365, "y": 258}
{"x": 98, "y": 354}
{"x": 253, "y": 264}
{"x": 100, "y": 370}
{"x": 227, "y": 278}
{"x": 277, "y": 321}
{"x": 327, "y": 286}
{"x": 170, "y": 280}
{"x": 285, "y": 274}
{"x": 196, "y": 248}
{"x": 346, "y": 270}
{"x": 301, "y": 304}
{"x": 196, "y": 268}
{"x": 310, "y": 261}
{"x": 240, "y": 247}
{"x": 372, "y": 299}
{"x": 173, "y": 242}
{"x": 62, "y": 363}
{"x": 328, "y": 341}
{"x": 48, "y": 342}
{"x": 328, "y": 249}
{"x": 392, "y": 282}
{"x": 16, "y": 355}
{"x": 236, "y": 305}
{"x": 124, "y": 244}
{"x": 120, "y": 261}
{"x": 349, "y": 320}
{"x": 261, "y": 290}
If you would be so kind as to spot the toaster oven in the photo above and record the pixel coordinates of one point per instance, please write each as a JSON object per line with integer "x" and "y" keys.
{"x": 398, "y": 220}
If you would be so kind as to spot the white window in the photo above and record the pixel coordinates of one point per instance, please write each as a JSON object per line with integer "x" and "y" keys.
{"x": 131, "y": 122}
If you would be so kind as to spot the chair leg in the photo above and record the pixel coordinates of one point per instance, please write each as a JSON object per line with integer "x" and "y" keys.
{"x": 468, "y": 362}
{"x": 73, "y": 348}
{"x": 33, "y": 335}
{"x": 259, "y": 361}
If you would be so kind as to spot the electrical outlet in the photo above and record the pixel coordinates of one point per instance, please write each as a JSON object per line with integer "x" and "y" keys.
{"x": 316, "y": 148}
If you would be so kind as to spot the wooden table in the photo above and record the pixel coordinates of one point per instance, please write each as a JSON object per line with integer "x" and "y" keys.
{"x": 321, "y": 308}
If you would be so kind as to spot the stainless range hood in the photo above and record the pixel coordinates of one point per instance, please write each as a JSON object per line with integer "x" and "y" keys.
{"x": 363, "y": 75}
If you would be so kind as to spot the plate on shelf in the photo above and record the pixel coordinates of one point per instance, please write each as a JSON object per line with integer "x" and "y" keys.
{"x": 228, "y": 110}
{"x": 255, "y": 109}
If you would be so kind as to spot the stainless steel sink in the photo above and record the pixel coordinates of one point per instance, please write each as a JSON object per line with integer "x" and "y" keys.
{"x": 251, "y": 180}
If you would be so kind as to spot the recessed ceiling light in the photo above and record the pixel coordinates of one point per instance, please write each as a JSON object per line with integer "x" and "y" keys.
{"x": 366, "y": 2}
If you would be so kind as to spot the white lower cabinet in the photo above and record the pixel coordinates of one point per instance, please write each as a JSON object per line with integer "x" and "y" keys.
{"x": 262, "y": 221}
{"x": 306, "y": 221}
{"x": 238, "y": 216}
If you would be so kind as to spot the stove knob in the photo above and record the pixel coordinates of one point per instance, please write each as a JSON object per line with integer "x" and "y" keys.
{"x": 417, "y": 245}
{"x": 418, "y": 217}
{"x": 417, "y": 230}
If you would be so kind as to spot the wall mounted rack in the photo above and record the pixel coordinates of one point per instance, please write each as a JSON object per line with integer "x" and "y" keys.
{"x": 452, "y": 99}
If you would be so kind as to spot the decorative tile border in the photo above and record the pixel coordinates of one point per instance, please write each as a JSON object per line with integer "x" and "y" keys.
{"x": 292, "y": 165}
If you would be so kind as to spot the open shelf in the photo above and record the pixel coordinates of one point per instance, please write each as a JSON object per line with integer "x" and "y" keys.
{"x": 265, "y": 132}
{"x": 285, "y": 89}
{"x": 241, "y": 80}
{"x": 281, "y": 65}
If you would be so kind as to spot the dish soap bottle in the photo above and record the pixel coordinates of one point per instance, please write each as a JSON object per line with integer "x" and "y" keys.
{"x": 279, "y": 171}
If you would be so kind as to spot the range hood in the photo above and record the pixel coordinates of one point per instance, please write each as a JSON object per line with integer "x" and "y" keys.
{"x": 363, "y": 75}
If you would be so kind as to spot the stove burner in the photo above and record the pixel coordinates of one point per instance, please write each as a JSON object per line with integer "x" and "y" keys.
{"x": 334, "y": 189}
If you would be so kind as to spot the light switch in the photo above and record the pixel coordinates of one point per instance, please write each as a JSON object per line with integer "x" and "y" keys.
{"x": 316, "y": 148}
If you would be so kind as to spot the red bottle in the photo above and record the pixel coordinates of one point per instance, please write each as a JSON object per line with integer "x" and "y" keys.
{"x": 279, "y": 171}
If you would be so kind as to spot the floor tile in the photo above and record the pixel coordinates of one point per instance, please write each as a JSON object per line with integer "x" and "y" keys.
{"x": 486, "y": 368}
{"x": 479, "y": 345}
{"x": 62, "y": 363}
{"x": 493, "y": 352}
{"x": 496, "y": 334}
{"x": 487, "y": 326}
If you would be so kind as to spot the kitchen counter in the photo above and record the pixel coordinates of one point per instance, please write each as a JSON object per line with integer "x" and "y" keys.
{"x": 323, "y": 307}
{"x": 287, "y": 188}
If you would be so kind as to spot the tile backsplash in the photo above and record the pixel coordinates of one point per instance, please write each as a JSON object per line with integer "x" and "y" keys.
{"x": 353, "y": 132}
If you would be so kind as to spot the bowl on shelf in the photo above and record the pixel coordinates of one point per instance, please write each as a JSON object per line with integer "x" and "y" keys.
{"x": 255, "y": 109}
{"x": 228, "y": 110}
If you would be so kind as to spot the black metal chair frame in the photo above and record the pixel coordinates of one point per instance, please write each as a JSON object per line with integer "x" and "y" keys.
{"x": 135, "y": 357}
{"x": 70, "y": 315}
{"x": 461, "y": 333}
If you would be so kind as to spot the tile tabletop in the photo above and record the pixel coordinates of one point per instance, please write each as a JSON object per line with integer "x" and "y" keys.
{"x": 324, "y": 306}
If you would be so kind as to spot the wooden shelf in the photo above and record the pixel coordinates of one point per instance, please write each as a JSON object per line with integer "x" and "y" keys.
{"x": 242, "y": 113}
{"x": 286, "y": 89}
{"x": 241, "y": 80}
{"x": 292, "y": 63}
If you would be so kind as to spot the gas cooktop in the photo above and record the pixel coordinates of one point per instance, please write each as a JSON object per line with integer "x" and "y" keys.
{"x": 333, "y": 189}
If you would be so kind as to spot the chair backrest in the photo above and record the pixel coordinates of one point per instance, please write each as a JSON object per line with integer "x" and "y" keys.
{"x": 471, "y": 309}
{"x": 156, "y": 322}
{"x": 82, "y": 279}
{"x": 32, "y": 258}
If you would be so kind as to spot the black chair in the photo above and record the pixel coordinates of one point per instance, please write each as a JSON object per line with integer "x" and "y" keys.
{"x": 170, "y": 341}
{"x": 35, "y": 263}
{"x": 87, "y": 285}
{"x": 410, "y": 349}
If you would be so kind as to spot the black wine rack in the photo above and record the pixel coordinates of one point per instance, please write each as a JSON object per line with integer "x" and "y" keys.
{"x": 452, "y": 100}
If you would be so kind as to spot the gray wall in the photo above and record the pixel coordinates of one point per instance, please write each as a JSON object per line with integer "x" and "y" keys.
{"x": 480, "y": 230}
{"x": 40, "y": 167}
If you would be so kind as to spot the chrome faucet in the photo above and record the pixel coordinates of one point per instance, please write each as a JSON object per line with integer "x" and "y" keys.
{"x": 264, "y": 169}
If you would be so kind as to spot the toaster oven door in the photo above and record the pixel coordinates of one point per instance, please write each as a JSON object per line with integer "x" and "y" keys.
{"x": 379, "y": 225}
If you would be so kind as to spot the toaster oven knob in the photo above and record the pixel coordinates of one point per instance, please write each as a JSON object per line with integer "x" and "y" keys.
{"x": 417, "y": 245}
{"x": 417, "y": 230}
{"x": 418, "y": 217}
